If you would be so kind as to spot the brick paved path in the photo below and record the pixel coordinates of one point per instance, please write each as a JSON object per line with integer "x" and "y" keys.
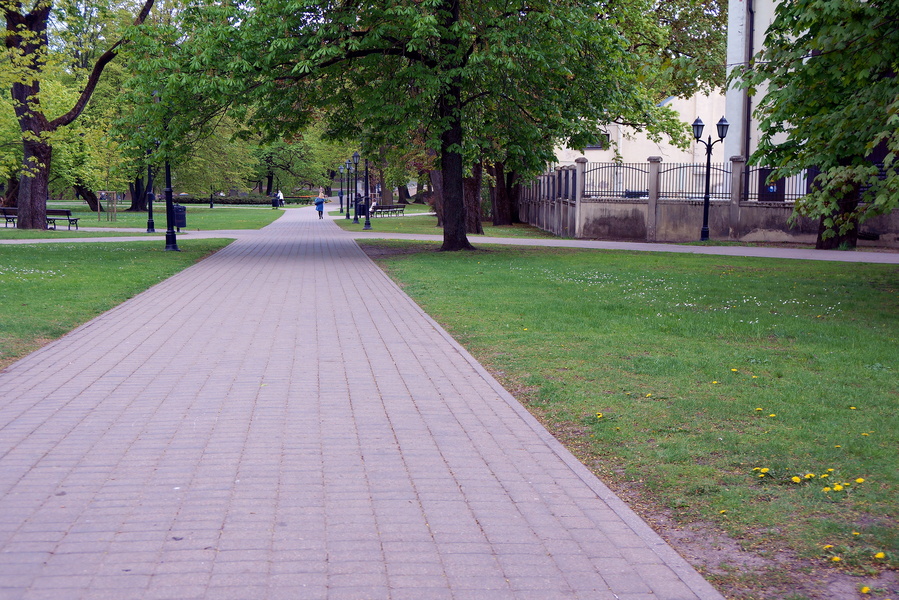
{"x": 281, "y": 421}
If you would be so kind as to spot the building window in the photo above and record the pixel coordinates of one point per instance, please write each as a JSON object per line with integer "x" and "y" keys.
{"x": 602, "y": 143}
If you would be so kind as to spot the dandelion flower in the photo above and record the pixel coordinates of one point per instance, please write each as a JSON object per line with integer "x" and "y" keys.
{"x": 860, "y": 480}
{"x": 809, "y": 475}
{"x": 755, "y": 376}
{"x": 852, "y": 408}
{"x": 827, "y": 489}
{"x": 734, "y": 370}
{"x": 772, "y": 415}
{"x": 722, "y": 511}
{"x": 880, "y": 555}
{"x": 855, "y": 533}
{"x": 759, "y": 409}
{"x": 796, "y": 480}
{"x": 714, "y": 382}
{"x": 830, "y": 470}
{"x": 765, "y": 470}
{"x": 837, "y": 487}
{"x": 756, "y": 469}
{"x": 865, "y": 434}
{"x": 598, "y": 415}
{"x": 835, "y": 558}
{"x": 865, "y": 590}
{"x": 837, "y": 446}
{"x": 824, "y": 475}
{"x": 648, "y": 395}
{"x": 828, "y": 546}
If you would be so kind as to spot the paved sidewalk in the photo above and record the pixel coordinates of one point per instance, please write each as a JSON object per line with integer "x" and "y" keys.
{"x": 281, "y": 421}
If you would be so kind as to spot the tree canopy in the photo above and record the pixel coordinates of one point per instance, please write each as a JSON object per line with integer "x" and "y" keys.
{"x": 829, "y": 102}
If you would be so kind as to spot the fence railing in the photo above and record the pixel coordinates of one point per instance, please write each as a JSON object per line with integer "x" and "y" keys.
{"x": 616, "y": 180}
{"x": 686, "y": 181}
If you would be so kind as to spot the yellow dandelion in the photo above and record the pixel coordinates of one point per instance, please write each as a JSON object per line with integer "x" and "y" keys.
{"x": 772, "y": 415}
{"x": 860, "y": 480}
{"x": 865, "y": 590}
{"x": 827, "y": 489}
{"x": 852, "y": 408}
{"x": 755, "y": 376}
{"x": 796, "y": 480}
{"x": 722, "y": 511}
{"x": 855, "y": 533}
{"x": 828, "y": 546}
{"x": 809, "y": 475}
{"x": 714, "y": 382}
{"x": 756, "y": 469}
{"x": 824, "y": 475}
{"x": 765, "y": 470}
{"x": 761, "y": 474}
{"x": 837, "y": 487}
{"x": 865, "y": 434}
{"x": 648, "y": 395}
{"x": 837, "y": 446}
{"x": 759, "y": 409}
{"x": 880, "y": 555}
{"x": 734, "y": 370}
{"x": 835, "y": 558}
{"x": 598, "y": 415}
{"x": 830, "y": 470}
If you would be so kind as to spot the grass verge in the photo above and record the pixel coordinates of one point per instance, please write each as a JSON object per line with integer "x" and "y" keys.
{"x": 46, "y": 290}
{"x": 199, "y": 217}
{"x": 418, "y": 220}
{"x": 756, "y": 395}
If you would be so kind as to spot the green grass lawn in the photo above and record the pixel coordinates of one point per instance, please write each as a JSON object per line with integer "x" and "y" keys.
{"x": 423, "y": 222}
{"x": 199, "y": 217}
{"x": 760, "y": 395}
{"x": 47, "y": 290}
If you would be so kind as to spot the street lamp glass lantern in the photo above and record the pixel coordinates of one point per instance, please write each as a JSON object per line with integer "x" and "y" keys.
{"x": 722, "y": 128}
{"x": 698, "y": 126}
{"x": 340, "y": 168}
{"x": 355, "y": 158}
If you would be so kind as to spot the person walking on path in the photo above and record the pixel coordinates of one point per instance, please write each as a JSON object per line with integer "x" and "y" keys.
{"x": 320, "y": 203}
{"x": 280, "y": 198}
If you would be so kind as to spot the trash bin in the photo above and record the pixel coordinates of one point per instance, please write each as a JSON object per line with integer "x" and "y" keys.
{"x": 274, "y": 201}
{"x": 180, "y": 216}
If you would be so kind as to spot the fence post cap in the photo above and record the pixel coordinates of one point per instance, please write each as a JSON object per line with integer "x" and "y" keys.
{"x": 738, "y": 158}
{"x": 657, "y": 159}
{"x": 581, "y": 159}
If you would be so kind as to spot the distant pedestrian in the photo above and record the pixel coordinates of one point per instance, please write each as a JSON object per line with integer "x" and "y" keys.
{"x": 280, "y": 198}
{"x": 320, "y": 203}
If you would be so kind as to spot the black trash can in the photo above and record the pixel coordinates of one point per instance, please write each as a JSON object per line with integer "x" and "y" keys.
{"x": 180, "y": 216}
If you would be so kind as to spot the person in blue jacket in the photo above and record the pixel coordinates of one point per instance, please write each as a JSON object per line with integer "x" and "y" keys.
{"x": 320, "y": 203}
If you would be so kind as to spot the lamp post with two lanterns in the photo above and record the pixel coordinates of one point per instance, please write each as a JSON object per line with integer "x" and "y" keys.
{"x": 698, "y": 126}
{"x": 340, "y": 196}
{"x": 355, "y": 189}
{"x": 349, "y": 169}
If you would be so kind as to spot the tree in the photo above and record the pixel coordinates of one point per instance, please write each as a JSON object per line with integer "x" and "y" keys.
{"x": 396, "y": 68}
{"x": 29, "y": 58}
{"x": 830, "y": 104}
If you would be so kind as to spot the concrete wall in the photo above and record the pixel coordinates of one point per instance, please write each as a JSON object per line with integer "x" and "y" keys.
{"x": 545, "y": 204}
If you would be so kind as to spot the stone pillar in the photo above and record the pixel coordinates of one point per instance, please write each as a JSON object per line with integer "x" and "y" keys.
{"x": 737, "y": 172}
{"x": 652, "y": 202}
{"x": 580, "y": 165}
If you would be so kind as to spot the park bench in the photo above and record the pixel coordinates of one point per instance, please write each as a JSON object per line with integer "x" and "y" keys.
{"x": 10, "y": 215}
{"x": 390, "y": 210}
{"x": 61, "y": 214}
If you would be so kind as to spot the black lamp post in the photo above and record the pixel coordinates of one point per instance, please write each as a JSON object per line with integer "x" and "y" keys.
{"x": 698, "y": 126}
{"x": 340, "y": 195}
{"x": 367, "y": 225}
{"x": 349, "y": 169}
{"x": 355, "y": 188}
{"x": 151, "y": 225}
{"x": 171, "y": 242}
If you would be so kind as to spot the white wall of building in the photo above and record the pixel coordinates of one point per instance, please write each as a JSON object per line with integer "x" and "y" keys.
{"x": 635, "y": 147}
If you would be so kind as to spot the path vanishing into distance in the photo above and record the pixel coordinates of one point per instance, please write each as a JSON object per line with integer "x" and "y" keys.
{"x": 280, "y": 421}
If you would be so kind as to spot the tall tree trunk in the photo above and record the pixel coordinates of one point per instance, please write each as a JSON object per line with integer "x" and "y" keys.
{"x": 502, "y": 208}
{"x": 33, "y": 185}
{"x": 138, "y": 195}
{"x": 402, "y": 193}
{"x": 269, "y": 182}
{"x": 450, "y": 115}
{"x": 472, "y": 187}
{"x": 11, "y": 196}
{"x": 435, "y": 196}
{"x": 848, "y": 240}
{"x": 90, "y": 197}
{"x": 513, "y": 193}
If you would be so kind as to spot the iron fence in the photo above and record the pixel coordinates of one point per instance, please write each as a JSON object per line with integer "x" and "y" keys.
{"x": 758, "y": 188}
{"x": 616, "y": 180}
{"x": 686, "y": 181}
